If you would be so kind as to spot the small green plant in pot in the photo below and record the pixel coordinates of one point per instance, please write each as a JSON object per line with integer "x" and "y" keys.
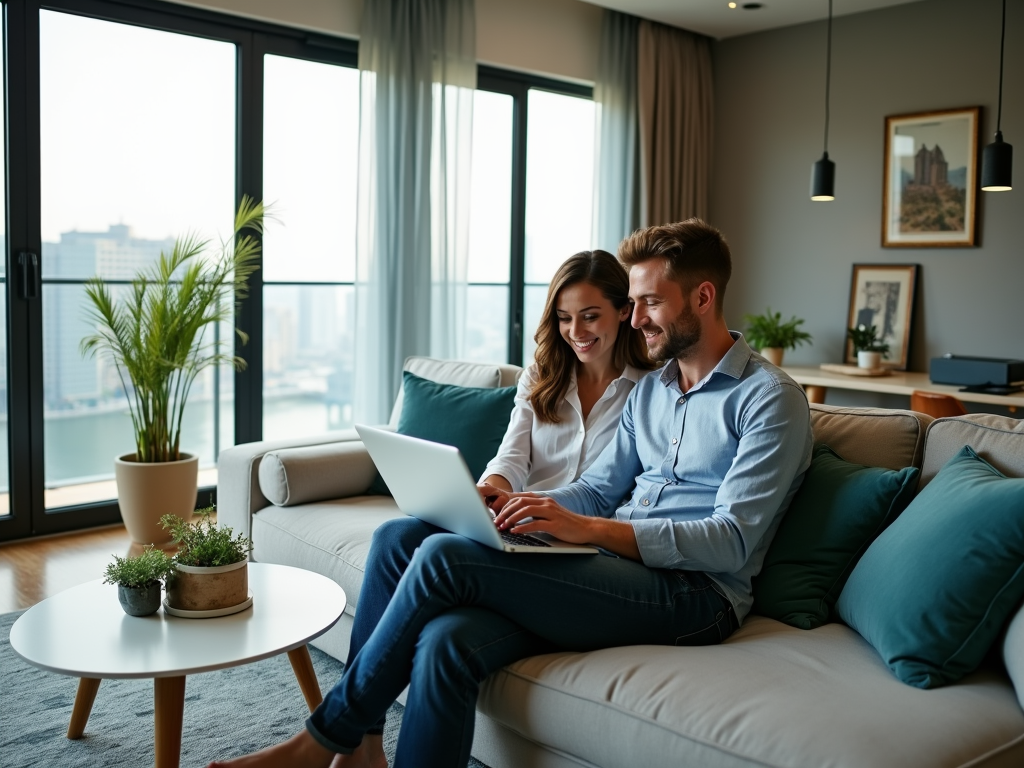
{"x": 139, "y": 580}
{"x": 771, "y": 336}
{"x": 210, "y": 572}
{"x": 867, "y": 345}
{"x": 159, "y": 334}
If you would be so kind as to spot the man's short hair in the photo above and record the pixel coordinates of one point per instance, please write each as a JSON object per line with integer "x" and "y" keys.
{"x": 695, "y": 250}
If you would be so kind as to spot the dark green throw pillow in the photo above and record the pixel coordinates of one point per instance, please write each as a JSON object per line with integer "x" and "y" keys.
{"x": 933, "y": 592}
{"x": 838, "y": 511}
{"x": 473, "y": 419}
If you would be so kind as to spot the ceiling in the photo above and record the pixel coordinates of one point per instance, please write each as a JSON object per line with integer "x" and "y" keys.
{"x": 716, "y": 19}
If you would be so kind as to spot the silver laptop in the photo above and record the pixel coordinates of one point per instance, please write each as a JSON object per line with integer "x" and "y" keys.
{"x": 431, "y": 482}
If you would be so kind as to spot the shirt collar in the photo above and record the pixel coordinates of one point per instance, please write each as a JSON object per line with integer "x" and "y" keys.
{"x": 732, "y": 364}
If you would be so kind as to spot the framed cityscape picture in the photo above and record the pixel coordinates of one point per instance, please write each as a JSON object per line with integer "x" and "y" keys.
{"x": 882, "y": 295}
{"x": 930, "y": 179}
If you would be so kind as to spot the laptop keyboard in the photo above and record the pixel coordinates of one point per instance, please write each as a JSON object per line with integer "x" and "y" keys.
{"x": 522, "y": 540}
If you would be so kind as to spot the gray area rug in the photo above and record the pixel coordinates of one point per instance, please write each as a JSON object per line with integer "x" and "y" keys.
{"x": 227, "y": 713}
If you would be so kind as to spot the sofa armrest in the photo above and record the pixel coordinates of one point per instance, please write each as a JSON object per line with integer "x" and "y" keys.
{"x": 238, "y": 484}
{"x": 291, "y": 476}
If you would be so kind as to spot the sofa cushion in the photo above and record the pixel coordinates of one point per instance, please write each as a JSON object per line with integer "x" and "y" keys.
{"x": 473, "y": 419}
{"x": 485, "y": 375}
{"x": 291, "y": 476}
{"x": 875, "y": 437}
{"x": 934, "y": 590}
{"x": 329, "y": 537}
{"x": 838, "y": 511}
{"x": 771, "y": 695}
{"x": 1013, "y": 652}
{"x": 997, "y": 439}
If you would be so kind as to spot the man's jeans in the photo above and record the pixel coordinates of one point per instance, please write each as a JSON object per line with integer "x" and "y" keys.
{"x": 440, "y": 613}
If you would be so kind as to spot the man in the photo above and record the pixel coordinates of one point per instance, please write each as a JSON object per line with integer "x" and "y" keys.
{"x": 708, "y": 455}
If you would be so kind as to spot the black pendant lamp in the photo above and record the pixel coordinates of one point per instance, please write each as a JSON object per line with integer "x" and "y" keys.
{"x": 823, "y": 172}
{"x": 997, "y": 159}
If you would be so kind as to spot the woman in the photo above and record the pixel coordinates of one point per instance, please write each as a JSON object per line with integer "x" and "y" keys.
{"x": 568, "y": 403}
{"x": 567, "y": 409}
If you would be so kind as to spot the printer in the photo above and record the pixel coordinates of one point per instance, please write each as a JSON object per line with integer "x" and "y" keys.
{"x": 981, "y": 374}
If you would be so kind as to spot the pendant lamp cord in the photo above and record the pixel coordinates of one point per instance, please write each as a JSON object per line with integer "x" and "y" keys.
{"x": 828, "y": 67}
{"x": 1002, "y": 48}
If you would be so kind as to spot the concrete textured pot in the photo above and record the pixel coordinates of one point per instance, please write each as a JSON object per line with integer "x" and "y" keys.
{"x": 139, "y": 601}
{"x": 191, "y": 588}
{"x": 773, "y": 355}
{"x": 148, "y": 490}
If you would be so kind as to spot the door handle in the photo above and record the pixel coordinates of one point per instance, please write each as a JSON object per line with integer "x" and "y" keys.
{"x": 28, "y": 263}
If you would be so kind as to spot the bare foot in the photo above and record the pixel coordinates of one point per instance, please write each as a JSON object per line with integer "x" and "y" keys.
{"x": 300, "y": 751}
{"x": 369, "y": 754}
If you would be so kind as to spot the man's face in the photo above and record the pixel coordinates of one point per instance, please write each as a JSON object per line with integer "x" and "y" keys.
{"x": 662, "y": 311}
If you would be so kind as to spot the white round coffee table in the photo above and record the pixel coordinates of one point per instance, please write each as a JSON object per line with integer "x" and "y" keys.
{"x": 83, "y": 632}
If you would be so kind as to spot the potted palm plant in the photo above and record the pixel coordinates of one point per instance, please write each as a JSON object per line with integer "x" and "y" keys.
{"x": 771, "y": 336}
{"x": 138, "y": 580}
{"x": 159, "y": 337}
{"x": 210, "y": 574}
{"x": 868, "y": 346}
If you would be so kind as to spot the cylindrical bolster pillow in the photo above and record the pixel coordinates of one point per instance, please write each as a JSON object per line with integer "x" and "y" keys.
{"x": 293, "y": 476}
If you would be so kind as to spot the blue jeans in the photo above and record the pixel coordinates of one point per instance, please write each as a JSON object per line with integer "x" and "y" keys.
{"x": 439, "y": 612}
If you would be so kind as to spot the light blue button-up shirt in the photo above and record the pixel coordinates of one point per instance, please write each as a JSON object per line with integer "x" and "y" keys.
{"x": 706, "y": 475}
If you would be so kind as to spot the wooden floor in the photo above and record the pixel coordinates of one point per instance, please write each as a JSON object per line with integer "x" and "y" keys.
{"x": 33, "y": 570}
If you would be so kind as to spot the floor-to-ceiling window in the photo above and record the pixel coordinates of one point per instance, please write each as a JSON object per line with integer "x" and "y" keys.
{"x": 559, "y": 194}
{"x": 131, "y": 122}
{"x": 5, "y": 444}
{"x": 310, "y": 151}
{"x": 137, "y": 147}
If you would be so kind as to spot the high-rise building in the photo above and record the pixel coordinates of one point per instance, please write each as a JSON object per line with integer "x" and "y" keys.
{"x": 70, "y": 379}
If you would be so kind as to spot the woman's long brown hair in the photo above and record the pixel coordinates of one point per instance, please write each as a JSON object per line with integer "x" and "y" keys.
{"x": 554, "y": 359}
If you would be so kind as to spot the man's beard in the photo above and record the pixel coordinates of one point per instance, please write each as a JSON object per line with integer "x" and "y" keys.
{"x": 680, "y": 338}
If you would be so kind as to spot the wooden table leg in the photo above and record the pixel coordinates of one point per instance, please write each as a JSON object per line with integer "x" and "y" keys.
{"x": 302, "y": 665}
{"x": 87, "y": 688}
{"x": 169, "y": 701}
{"x": 815, "y": 393}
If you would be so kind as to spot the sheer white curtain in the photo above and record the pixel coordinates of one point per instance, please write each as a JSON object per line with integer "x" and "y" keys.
{"x": 417, "y": 61}
{"x": 617, "y": 192}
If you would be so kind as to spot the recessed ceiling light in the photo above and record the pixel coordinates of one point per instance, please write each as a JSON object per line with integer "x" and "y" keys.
{"x": 752, "y": 6}
{"x": 732, "y": 5}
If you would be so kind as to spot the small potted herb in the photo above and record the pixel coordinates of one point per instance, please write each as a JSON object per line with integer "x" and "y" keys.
{"x": 771, "y": 336}
{"x": 138, "y": 580}
{"x": 210, "y": 572}
{"x": 868, "y": 345}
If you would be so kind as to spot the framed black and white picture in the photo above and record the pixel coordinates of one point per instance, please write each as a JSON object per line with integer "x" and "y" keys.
{"x": 882, "y": 295}
{"x": 930, "y": 191}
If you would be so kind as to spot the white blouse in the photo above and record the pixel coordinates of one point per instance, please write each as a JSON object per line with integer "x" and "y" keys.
{"x": 537, "y": 455}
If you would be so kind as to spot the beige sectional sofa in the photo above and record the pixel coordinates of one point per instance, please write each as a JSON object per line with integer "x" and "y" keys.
{"x": 771, "y": 695}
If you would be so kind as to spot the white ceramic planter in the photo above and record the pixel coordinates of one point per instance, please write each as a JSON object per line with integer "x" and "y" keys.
{"x": 870, "y": 360}
{"x": 147, "y": 491}
{"x": 191, "y": 588}
{"x": 773, "y": 355}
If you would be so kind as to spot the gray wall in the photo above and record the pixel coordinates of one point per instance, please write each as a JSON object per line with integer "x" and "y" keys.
{"x": 797, "y": 256}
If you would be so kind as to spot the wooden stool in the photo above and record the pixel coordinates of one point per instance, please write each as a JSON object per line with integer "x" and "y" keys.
{"x": 935, "y": 404}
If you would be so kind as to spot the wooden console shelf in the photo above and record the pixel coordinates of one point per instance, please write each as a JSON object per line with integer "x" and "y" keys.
{"x": 815, "y": 381}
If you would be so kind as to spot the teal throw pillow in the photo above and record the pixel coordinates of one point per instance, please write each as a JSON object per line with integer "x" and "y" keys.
{"x": 838, "y": 511}
{"x": 473, "y": 419}
{"x": 935, "y": 589}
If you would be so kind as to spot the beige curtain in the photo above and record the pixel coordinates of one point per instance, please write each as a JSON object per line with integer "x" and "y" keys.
{"x": 675, "y": 123}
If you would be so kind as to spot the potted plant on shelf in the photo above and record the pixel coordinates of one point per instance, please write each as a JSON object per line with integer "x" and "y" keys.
{"x": 138, "y": 580}
{"x": 771, "y": 336}
{"x": 157, "y": 336}
{"x": 869, "y": 347}
{"x": 210, "y": 569}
